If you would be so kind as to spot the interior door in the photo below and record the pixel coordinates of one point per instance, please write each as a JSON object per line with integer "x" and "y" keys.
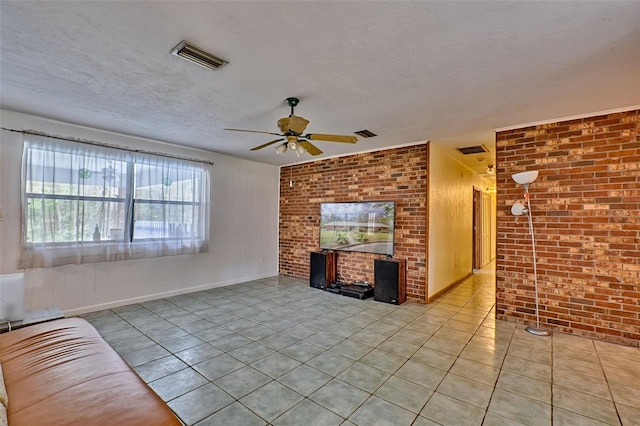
{"x": 477, "y": 229}
{"x": 486, "y": 229}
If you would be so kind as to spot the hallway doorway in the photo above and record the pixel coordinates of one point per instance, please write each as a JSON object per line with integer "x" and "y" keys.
{"x": 481, "y": 228}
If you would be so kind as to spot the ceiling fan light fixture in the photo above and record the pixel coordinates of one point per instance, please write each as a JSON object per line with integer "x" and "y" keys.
{"x": 291, "y": 129}
{"x": 281, "y": 149}
{"x": 194, "y": 54}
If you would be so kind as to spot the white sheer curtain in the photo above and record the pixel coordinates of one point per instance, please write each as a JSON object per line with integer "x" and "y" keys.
{"x": 171, "y": 207}
{"x": 84, "y": 203}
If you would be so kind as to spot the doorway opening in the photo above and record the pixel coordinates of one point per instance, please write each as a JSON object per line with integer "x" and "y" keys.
{"x": 482, "y": 228}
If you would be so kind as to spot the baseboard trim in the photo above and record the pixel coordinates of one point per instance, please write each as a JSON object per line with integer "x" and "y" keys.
{"x": 447, "y": 288}
{"x": 146, "y": 298}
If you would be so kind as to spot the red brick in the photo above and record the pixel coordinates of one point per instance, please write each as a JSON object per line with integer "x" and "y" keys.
{"x": 397, "y": 174}
{"x": 586, "y": 212}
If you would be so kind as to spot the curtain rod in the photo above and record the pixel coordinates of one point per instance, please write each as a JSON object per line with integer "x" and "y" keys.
{"x": 102, "y": 144}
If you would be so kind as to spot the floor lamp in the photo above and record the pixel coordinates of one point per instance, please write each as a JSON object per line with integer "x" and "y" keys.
{"x": 525, "y": 178}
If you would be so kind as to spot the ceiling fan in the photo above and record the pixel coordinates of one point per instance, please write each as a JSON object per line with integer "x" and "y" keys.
{"x": 291, "y": 129}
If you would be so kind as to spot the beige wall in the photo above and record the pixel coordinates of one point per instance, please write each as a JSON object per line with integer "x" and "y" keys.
{"x": 244, "y": 231}
{"x": 450, "y": 219}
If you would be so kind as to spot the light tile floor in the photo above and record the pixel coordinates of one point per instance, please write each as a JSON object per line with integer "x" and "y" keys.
{"x": 275, "y": 351}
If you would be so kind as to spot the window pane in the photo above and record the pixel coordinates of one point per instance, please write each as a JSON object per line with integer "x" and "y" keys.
{"x": 52, "y": 220}
{"x": 167, "y": 182}
{"x": 57, "y": 187}
{"x": 64, "y": 173}
{"x": 155, "y": 220}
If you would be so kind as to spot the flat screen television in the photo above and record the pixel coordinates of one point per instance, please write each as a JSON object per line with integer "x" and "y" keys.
{"x": 359, "y": 226}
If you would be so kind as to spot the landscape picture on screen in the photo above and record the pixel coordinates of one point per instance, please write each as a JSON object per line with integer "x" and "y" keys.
{"x": 364, "y": 226}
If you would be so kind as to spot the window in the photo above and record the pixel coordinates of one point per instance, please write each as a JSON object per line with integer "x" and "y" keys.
{"x": 88, "y": 203}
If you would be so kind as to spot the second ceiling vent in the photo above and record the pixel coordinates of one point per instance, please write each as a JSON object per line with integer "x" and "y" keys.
{"x": 365, "y": 133}
{"x": 478, "y": 149}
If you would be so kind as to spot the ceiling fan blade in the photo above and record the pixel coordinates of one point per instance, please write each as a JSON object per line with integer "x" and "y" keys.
{"x": 331, "y": 138}
{"x": 264, "y": 145}
{"x": 297, "y": 124}
{"x": 255, "y": 131}
{"x": 311, "y": 148}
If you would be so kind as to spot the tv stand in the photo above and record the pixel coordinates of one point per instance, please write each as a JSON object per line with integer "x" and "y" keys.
{"x": 358, "y": 290}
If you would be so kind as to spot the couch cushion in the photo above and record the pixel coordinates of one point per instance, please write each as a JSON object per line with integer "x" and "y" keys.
{"x": 4, "y": 400}
{"x": 63, "y": 372}
{"x": 3, "y": 415}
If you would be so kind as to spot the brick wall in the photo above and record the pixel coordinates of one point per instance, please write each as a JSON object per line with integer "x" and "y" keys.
{"x": 398, "y": 175}
{"x": 586, "y": 213}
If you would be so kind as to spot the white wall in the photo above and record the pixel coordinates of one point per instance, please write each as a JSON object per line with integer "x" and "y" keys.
{"x": 450, "y": 219}
{"x": 243, "y": 241}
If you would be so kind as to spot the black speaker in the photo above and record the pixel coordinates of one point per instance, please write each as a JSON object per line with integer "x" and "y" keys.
{"x": 389, "y": 280}
{"x": 322, "y": 271}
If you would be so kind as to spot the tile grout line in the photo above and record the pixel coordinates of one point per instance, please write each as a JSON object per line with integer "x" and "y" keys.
{"x": 604, "y": 373}
{"x": 299, "y": 303}
{"x": 486, "y": 410}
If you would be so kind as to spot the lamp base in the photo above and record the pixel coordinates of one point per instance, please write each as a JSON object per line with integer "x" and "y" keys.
{"x": 538, "y": 332}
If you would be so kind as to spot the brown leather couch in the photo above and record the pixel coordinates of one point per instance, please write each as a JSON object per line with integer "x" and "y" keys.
{"x": 63, "y": 373}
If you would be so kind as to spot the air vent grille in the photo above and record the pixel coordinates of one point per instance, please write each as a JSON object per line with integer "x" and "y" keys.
{"x": 198, "y": 56}
{"x": 473, "y": 149}
{"x": 365, "y": 133}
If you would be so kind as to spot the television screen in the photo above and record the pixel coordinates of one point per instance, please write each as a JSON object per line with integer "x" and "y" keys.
{"x": 362, "y": 226}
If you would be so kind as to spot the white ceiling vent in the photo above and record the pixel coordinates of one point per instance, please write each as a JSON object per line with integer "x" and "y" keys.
{"x": 477, "y": 149}
{"x": 198, "y": 56}
{"x": 365, "y": 133}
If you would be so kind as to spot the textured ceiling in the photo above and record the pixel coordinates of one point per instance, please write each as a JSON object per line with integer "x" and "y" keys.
{"x": 448, "y": 72}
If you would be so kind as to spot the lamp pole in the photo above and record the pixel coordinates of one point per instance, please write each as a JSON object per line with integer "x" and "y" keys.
{"x": 537, "y": 331}
{"x": 525, "y": 179}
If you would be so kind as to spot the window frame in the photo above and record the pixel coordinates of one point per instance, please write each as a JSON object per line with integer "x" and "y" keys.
{"x": 129, "y": 201}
